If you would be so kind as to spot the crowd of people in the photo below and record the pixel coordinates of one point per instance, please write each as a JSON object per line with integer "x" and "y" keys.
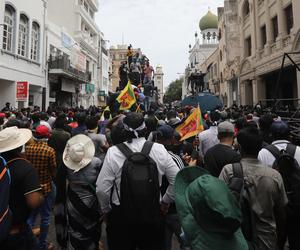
{"x": 232, "y": 186}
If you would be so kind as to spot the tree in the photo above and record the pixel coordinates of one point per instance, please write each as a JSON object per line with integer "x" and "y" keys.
{"x": 174, "y": 91}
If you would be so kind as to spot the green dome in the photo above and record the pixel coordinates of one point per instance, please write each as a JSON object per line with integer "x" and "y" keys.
{"x": 209, "y": 21}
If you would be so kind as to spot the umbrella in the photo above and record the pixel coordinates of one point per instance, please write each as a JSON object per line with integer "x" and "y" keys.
{"x": 207, "y": 101}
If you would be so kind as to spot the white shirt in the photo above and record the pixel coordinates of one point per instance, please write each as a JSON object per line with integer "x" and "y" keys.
{"x": 112, "y": 169}
{"x": 207, "y": 139}
{"x": 266, "y": 157}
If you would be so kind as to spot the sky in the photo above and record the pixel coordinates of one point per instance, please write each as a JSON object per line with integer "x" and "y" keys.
{"x": 163, "y": 29}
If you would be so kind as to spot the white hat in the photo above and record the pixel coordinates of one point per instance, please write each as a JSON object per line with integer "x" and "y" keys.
{"x": 78, "y": 152}
{"x": 13, "y": 137}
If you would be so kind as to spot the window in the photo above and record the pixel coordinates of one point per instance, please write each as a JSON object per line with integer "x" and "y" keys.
{"x": 275, "y": 27}
{"x": 248, "y": 47}
{"x": 23, "y": 36}
{"x": 35, "y": 42}
{"x": 8, "y": 28}
{"x": 289, "y": 18}
{"x": 263, "y": 35}
{"x": 246, "y": 9}
{"x": 221, "y": 55}
{"x": 91, "y": 13}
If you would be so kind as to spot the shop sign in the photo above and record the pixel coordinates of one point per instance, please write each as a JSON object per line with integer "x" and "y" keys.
{"x": 22, "y": 91}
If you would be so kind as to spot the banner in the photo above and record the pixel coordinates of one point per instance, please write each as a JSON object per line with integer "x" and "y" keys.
{"x": 22, "y": 91}
{"x": 192, "y": 126}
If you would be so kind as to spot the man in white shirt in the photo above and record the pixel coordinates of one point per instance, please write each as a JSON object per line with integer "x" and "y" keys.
{"x": 209, "y": 138}
{"x": 280, "y": 133}
{"x": 120, "y": 235}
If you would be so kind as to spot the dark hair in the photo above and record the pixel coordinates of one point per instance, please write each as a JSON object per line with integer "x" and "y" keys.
{"x": 134, "y": 120}
{"x": 35, "y": 117}
{"x": 215, "y": 116}
{"x": 250, "y": 141}
{"x": 60, "y": 121}
{"x": 106, "y": 114}
{"x": 91, "y": 122}
{"x": 44, "y": 116}
{"x": 171, "y": 114}
{"x": 13, "y": 123}
{"x": 265, "y": 122}
{"x": 240, "y": 123}
{"x": 80, "y": 118}
{"x": 223, "y": 135}
{"x": 151, "y": 123}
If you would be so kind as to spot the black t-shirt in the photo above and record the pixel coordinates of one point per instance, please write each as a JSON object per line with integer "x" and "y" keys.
{"x": 24, "y": 180}
{"x": 218, "y": 156}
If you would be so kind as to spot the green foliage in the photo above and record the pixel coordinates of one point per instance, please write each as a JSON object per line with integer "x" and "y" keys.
{"x": 174, "y": 91}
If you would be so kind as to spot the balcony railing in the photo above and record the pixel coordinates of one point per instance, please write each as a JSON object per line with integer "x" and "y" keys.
{"x": 61, "y": 65}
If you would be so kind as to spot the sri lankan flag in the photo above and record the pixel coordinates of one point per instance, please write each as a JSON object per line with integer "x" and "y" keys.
{"x": 126, "y": 97}
{"x": 192, "y": 125}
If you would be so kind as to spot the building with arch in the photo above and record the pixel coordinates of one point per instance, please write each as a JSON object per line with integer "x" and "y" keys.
{"x": 22, "y": 58}
{"x": 268, "y": 28}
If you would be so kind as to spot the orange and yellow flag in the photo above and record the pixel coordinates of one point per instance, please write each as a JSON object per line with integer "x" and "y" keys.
{"x": 192, "y": 125}
{"x": 126, "y": 97}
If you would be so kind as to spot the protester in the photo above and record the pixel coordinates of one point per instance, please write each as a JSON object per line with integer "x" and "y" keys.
{"x": 209, "y": 215}
{"x": 132, "y": 234}
{"x": 83, "y": 215}
{"x": 25, "y": 190}
{"x": 267, "y": 195}
{"x": 165, "y": 136}
{"x": 81, "y": 128}
{"x": 221, "y": 154}
{"x": 208, "y": 138}
{"x": 268, "y": 156}
{"x": 43, "y": 159}
{"x": 148, "y": 72}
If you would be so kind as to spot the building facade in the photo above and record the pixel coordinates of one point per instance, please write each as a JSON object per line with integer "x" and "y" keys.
{"x": 22, "y": 57}
{"x": 268, "y": 29}
{"x": 159, "y": 82}
{"x": 74, "y": 61}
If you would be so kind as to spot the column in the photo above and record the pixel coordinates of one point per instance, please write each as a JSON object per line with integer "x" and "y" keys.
{"x": 282, "y": 32}
{"x": 253, "y": 16}
{"x": 242, "y": 93}
{"x": 242, "y": 38}
{"x": 269, "y": 29}
{"x": 257, "y": 28}
{"x": 296, "y": 8}
{"x": 298, "y": 86}
{"x": 261, "y": 89}
{"x": 255, "y": 91}
{"x": 16, "y": 41}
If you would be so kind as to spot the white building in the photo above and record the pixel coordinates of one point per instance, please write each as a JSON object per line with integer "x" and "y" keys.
{"x": 22, "y": 53}
{"x": 104, "y": 81}
{"x": 159, "y": 82}
{"x": 74, "y": 71}
{"x": 203, "y": 48}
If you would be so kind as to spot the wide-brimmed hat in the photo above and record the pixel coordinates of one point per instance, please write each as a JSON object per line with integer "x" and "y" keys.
{"x": 78, "y": 152}
{"x": 13, "y": 137}
{"x": 208, "y": 212}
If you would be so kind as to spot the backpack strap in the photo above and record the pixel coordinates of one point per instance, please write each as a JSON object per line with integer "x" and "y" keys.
{"x": 291, "y": 149}
{"x": 273, "y": 150}
{"x": 147, "y": 147}
{"x": 125, "y": 149}
{"x": 237, "y": 169}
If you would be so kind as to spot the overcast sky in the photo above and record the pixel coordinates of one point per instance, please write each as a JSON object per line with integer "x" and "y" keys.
{"x": 163, "y": 29}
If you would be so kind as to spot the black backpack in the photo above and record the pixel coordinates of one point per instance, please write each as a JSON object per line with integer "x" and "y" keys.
{"x": 240, "y": 189}
{"x": 139, "y": 189}
{"x": 5, "y": 213}
{"x": 288, "y": 167}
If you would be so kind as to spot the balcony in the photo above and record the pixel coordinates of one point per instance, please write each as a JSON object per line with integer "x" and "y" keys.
{"x": 87, "y": 42}
{"x": 95, "y": 4}
{"x": 61, "y": 66}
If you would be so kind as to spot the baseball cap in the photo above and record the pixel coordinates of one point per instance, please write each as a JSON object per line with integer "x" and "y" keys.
{"x": 226, "y": 127}
{"x": 166, "y": 132}
{"x": 41, "y": 132}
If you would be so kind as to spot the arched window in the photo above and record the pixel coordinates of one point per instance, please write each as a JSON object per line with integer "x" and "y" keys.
{"x": 35, "y": 42}
{"x": 246, "y": 8}
{"x": 220, "y": 34}
{"x": 23, "y": 36}
{"x": 9, "y": 28}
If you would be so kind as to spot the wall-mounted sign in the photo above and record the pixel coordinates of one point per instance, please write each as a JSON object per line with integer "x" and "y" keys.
{"x": 22, "y": 91}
